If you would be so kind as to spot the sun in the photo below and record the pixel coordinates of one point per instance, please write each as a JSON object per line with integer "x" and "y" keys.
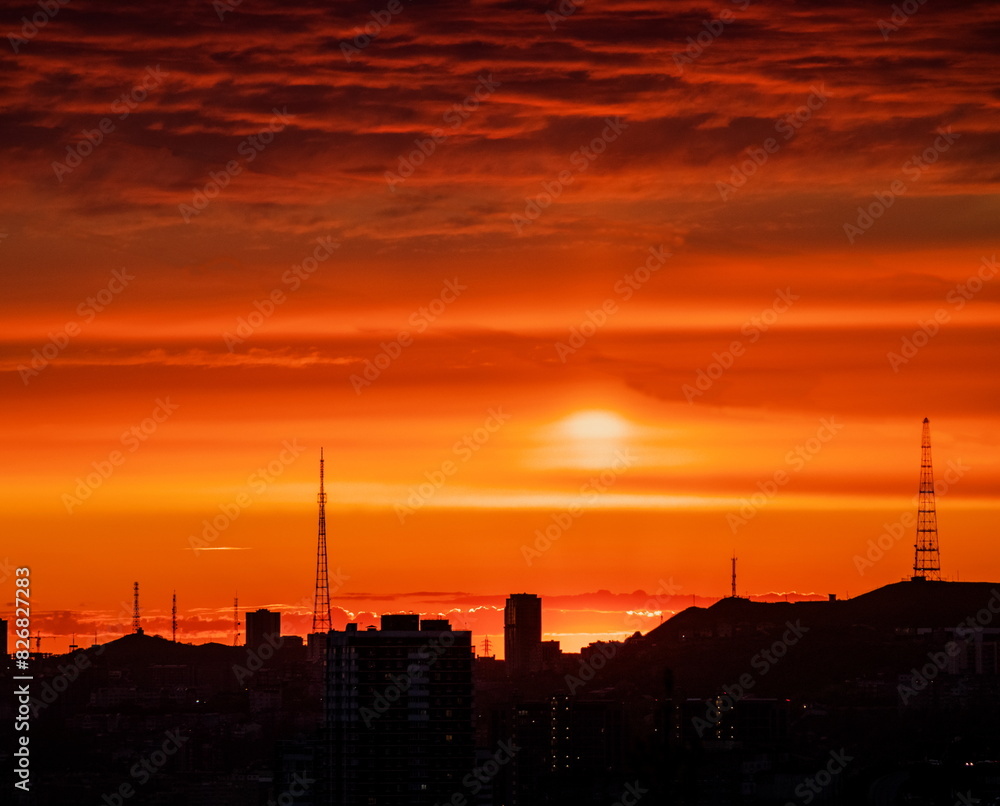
{"x": 595, "y": 425}
{"x": 589, "y": 439}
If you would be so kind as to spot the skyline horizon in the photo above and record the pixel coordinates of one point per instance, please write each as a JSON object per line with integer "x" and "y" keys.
{"x": 590, "y": 422}
{"x": 372, "y": 618}
{"x": 365, "y": 618}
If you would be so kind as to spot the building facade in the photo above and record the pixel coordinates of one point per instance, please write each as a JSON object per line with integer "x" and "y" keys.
{"x": 522, "y": 633}
{"x": 263, "y": 627}
{"x": 399, "y": 713}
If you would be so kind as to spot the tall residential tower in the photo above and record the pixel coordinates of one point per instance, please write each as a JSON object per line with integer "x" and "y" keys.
{"x": 522, "y": 633}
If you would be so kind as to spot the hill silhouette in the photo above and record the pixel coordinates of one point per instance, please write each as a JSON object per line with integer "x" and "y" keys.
{"x": 836, "y": 648}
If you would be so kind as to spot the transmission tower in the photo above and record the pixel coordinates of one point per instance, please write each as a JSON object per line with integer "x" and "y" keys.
{"x": 236, "y": 621}
{"x": 926, "y": 557}
{"x": 733, "y": 582}
{"x": 486, "y": 647}
{"x": 173, "y": 619}
{"x": 321, "y": 600}
{"x": 136, "y": 628}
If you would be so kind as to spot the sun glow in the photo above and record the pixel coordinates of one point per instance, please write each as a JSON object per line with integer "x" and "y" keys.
{"x": 596, "y": 425}
{"x": 587, "y": 440}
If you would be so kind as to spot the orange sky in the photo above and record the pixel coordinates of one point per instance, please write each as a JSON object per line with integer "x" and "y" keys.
{"x": 683, "y": 336}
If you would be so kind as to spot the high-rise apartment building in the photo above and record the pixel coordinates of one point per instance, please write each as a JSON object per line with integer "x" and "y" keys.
{"x": 399, "y": 712}
{"x": 522, "y": 632}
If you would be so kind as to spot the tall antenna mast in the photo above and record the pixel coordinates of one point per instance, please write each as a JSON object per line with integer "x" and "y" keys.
{"x": 136, "y": 628}
{"x": 734, "y": 576}
{"x": 321, "y": 599}
{"x": 173, "y": 619}
{"x": 236, "y": 621}
{"x": 926, "y": 557}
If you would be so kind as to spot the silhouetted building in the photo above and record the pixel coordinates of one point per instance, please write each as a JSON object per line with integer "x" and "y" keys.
{"x": 263, "y": 627}
{"x": 435, "y": 624}
{"x": 569, "y": 750}
{"x": 522, "y": 633}
{"x": 316, "y": 647}
{"x": 3, "y": 644}
{"x": 750, "y": 720}
{"x": 399, "y": 712}
{"x": 976, "y": 654}
{"x": 549, "y": 656}
{"x": 401, "y": 622}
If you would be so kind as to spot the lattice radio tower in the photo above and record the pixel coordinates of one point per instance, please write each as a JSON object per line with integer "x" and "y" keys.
{"x": 173, "y": 619}
{"x": 136, "y": 627}
{"x": 321, "y": 599}
{"x": 926, "y": 557}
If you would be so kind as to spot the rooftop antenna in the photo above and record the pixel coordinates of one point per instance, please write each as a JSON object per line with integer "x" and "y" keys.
{"x": 733, "y": 590}
{"x": 321, "y": 597}
{"x": 73, "y": 647}
{"x": 236, "y": 621}
{"x": 926, "y": 557}
{"x": 173, "y": 619}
